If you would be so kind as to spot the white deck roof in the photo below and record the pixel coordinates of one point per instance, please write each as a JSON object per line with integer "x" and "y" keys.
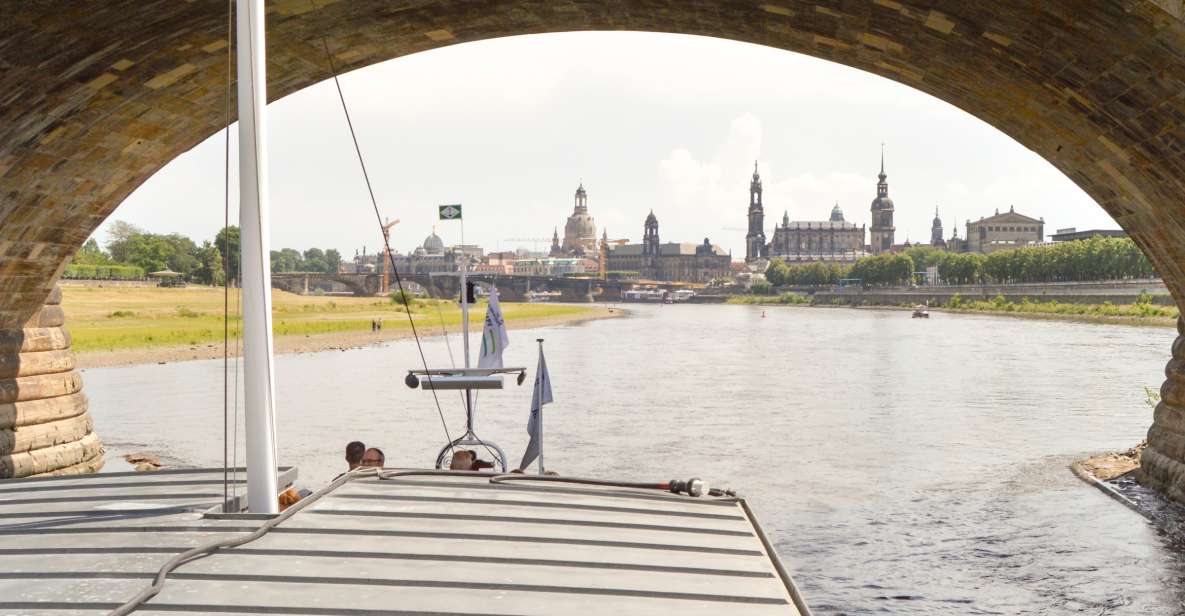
{"x": 414, "y": 545}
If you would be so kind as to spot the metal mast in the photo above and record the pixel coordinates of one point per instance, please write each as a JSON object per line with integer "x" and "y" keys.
{"x": 259, "y": 382}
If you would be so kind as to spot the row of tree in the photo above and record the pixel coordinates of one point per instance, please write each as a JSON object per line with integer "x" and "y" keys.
{"x": 132, "y": 253}
{"x": 1099, "y": 258}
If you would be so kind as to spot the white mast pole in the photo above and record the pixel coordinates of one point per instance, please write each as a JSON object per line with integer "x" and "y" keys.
{"x": 465, "y": 324}
{"x": 255, "y": 266}
{"x": 539, "y": 419}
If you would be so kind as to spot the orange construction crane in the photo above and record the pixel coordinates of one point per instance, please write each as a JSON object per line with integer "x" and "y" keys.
{"x": 387, "y": 252}
{"x": 603, "y": 256}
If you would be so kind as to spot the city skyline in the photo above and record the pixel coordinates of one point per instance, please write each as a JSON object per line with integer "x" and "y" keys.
{"x": 664, "y": 122}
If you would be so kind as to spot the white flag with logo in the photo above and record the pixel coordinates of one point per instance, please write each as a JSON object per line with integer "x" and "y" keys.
{"x": 493, "y": 336}
{"x": 541, "y": 396}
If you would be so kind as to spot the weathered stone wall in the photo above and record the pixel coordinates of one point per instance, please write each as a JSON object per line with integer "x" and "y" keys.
{"x": 96, "y": 96}
{"x": 1162, "y": 464}
{"x": 44, "y": 425}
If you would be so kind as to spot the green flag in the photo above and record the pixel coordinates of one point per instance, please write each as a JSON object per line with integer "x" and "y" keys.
{"x": 450, "y": 212}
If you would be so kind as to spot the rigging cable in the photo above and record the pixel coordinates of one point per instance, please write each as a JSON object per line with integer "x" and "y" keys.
{"x": 379, "y": 219}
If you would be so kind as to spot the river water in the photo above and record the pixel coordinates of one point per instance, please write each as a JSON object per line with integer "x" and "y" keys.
{"x": 900, "y": 465}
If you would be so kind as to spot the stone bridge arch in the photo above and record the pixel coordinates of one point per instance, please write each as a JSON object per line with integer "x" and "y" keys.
{"x": 96, "y": 97}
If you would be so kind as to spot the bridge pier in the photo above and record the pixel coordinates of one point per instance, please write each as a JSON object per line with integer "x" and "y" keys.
{"x": 577, "y": 293}
{"x": 44, "y": 425}
{"x": 1162, "y": 464}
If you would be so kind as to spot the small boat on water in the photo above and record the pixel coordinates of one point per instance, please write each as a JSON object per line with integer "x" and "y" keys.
{"x": 921, "y": 311}
{"x": 377, "y": 541}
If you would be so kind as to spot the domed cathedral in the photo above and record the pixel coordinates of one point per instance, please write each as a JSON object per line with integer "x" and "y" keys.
{"x": 580, "y": 232}
{"x": 836, "y": 213}
{"x": 803, "y": 241}
{"x": 433, "y": 245}
{"x": 882, "y": 229}
{"x": 936, "y": 231}
{"x": 755, "y": 247}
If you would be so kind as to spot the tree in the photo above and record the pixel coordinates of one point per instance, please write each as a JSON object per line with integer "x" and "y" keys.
{"x": 314, "y": 260}
{"x": 333, "y": 260}
{"x": 119, "y": 236}
{"x": 91, "y": 254}
{"x": 227, "y": 242}
{"x": 209, "y": 269}
{"x": 147, "y": 251}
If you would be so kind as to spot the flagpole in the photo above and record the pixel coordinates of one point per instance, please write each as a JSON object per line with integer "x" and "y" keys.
{"x": 465, "y": 325}
{"x": 539, "y": 419}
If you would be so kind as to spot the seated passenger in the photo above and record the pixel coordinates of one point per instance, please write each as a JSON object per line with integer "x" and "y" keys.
{"x": 463, "y": 460}
{"x": 373, "y": 458}
{"x": 354, "y": 453}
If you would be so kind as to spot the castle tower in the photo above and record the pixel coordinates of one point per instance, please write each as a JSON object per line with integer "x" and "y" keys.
{"x": 936, "y": 231}
{"x": 755, "y": 238}
{"x": 881, "y": 232}
{"x": 556, "y": 250}
{"x": 650, "y": 236}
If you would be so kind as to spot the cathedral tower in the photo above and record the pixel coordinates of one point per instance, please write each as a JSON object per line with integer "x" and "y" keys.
{"x": 936, "y": 238}
{"x": 881, "y": 232}
{"x": 650, "y": 236}
{"x": 755, "y": 239}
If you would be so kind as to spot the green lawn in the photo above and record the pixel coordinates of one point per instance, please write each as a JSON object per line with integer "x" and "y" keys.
{"x": 108, "y": 319}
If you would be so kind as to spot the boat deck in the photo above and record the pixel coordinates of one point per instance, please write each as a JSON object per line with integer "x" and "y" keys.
{"x": 422, "y": 544}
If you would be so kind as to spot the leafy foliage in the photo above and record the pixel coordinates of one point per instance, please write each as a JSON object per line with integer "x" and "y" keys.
{"x": 1099, "y": 258}
{"x": 131, "y": 253}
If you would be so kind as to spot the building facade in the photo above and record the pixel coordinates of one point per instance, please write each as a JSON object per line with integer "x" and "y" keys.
{"x": 1072, "y": 234}
{"x": 681, "y": 262}
{"x": 1003, "y": 232}
{"x": 552, "y": 266}
{"x": 834, "y": 239}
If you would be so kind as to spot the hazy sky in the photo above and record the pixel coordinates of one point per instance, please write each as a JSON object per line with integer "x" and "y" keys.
{"x": 672, "y": 123}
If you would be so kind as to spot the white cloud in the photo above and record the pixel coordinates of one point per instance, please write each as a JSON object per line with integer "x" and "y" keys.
{"x": 668, "y": 122}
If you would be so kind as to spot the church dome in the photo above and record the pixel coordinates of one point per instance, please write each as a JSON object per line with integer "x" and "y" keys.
{"x": 580, "y": 232}
{"x": 433, "y": 245}
{"x": 882, "y": 203}
{"x": 651, "y": 219}
{"x": 836, "y": 213}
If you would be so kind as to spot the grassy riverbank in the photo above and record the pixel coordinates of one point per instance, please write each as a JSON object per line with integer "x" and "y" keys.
{"x": 124, "y": 319}
{"x": 783, "y": 299}
{"x": 1140, "y": 310}
{"x": 1139, "y": 313}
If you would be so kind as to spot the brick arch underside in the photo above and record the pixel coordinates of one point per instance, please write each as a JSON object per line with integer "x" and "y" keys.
{"x": 96, "y": 97}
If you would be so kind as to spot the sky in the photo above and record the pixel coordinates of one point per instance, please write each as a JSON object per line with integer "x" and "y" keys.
{"x": 670, "y": 123}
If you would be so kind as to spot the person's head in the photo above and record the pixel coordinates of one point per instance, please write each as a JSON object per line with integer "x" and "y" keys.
{"x": 373, "y": 458}
{"x": 354, "y": 453}
{"x": 463, "y": 460}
